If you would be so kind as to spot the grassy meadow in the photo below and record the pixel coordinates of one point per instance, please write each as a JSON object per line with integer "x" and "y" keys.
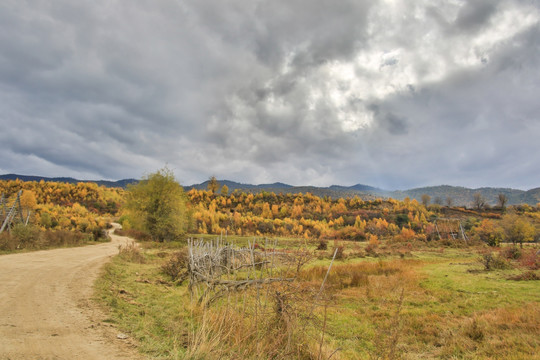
{"x": 388, "y": 301}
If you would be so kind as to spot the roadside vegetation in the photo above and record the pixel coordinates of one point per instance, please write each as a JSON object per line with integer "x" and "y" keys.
{"x": 423, "y": 300}
{"x": 59, "y": 214}
{"x": 378, "y": 279}
{"x": 322, "y": 278}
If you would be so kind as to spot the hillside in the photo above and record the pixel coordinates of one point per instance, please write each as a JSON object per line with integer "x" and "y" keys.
{"x": 462, "y": 196}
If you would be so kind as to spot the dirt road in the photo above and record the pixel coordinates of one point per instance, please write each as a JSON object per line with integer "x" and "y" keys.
{"x": 45, "y": 307}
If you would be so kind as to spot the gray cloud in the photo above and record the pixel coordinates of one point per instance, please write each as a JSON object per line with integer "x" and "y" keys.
{"x": 473, "y": 15}
{"x": 307, "y": 92}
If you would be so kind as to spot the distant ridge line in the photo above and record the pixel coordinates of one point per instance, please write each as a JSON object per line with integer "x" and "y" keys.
{"x": 120, "y": 183}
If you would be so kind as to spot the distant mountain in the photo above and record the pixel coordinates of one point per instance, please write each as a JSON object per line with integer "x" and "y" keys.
{"x": 531, "y": 197}
{"x": 230, "y": 184}
{"x": 334, "y": 191}
{"x": 357, "y": 187}
{"x": 462, "y": 196}
{"x": 120, "y": 183}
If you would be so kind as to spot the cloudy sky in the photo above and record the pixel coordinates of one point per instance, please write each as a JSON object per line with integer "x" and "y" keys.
{"x": 394, "y": 94}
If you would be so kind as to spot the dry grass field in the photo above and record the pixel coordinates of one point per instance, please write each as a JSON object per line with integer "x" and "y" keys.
{"x": 389, "y": 301}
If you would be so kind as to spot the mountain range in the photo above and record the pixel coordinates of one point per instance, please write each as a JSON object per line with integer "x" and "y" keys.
{"x": 120, "y": 183}
{"x": 459, "y": 196}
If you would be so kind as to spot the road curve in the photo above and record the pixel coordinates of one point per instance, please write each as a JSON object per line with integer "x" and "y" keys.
{"x": 45, "y": 307}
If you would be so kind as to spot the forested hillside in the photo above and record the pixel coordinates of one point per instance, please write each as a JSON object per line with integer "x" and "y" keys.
{"x": 72, "y": 212}
{"x": 310, "y": 216}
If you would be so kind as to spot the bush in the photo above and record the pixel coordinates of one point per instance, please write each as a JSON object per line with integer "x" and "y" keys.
{"x": 99, "y": 234}
{"x": 177, "y": 265}
{"x": 31, "y": 237}
{"x": 323, "y": 245}
{"x": 7, "y": 242}
{"x": 511, "y": 253}
{"x": 135, "y": 234}
{"x": 371, "y": 250}
{"x": 492, "y": 262}
{"x": 339, "y": 251}
{"x": 131, "y": 253}
{"x": 530, "y": 259}
{"x": 57, "y": 238}
{"x": 26, "y": 236}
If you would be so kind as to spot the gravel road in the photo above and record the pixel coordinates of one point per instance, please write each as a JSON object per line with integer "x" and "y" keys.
{"x": 46, "y": 310}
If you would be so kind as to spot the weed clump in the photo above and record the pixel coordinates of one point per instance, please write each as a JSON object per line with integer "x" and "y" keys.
{"x": 340, "y": 252}
{"x": 131, "y": 253}
{"x": 176, "y": 266}
{"x": 526, "y": 276}
{"x": 475, "y": 331}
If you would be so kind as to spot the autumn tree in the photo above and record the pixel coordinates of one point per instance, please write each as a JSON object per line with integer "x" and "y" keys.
{"x": 28, "y": 201}
{"x": 449, "y": 201}
{"x": 518, "y": 229}
{"x": 213, "y": 184}
{"x": 157, "y": 205}
{"x": 224, "y": 190}
{"x": 488, "y": 232}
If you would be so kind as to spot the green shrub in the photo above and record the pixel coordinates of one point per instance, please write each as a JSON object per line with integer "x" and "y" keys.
{"x": 25, "y": 235}
{"x": 493, "y": 262}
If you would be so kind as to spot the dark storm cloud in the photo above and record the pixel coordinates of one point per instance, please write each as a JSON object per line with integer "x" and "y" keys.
{"x": 474, "y": 14}
{"x": 392, "y": 94}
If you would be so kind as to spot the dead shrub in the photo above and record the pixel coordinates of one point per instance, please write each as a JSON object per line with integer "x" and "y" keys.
{"x": 31, "y": 237}
{"x": 323, "y": 245}
{"x": 340, "y": 252}
{"x": 530, "y": 259}
{"x": 177, "y": 265}
{"x": 58, "y": 238}
{"x": 131, "y": 253}
{"x": 371, "y": 250}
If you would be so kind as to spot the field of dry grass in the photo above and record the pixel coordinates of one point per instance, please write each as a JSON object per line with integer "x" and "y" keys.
{"x": 387, "y": 301}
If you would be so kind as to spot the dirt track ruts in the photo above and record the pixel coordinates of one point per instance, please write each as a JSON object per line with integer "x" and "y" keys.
{"x": 46, "y": 310}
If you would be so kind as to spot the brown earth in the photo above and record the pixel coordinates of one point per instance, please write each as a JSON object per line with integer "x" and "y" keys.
{"x": 46, "y": 311}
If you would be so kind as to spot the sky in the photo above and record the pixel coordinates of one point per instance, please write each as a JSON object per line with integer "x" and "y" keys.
{"x": 393, "y": 94}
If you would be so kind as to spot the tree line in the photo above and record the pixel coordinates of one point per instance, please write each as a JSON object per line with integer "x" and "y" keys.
{"x": 308, "y": 216}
